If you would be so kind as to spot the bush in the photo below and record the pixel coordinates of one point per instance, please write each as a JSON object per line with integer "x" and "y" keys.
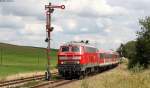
{"x": 137, "y": 68}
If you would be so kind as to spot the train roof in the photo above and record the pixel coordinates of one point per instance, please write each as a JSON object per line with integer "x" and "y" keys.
{"x": 107, "y": 51}
{"x": 78, "y": 44}
{"x": 116, "y": 53}
{"x": 101, "y": 51}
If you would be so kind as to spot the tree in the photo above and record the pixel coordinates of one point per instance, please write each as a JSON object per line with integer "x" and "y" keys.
{"x": 138, "y": 52}
{"x": 143, "y": 44}
{"x": 120, "y": 50}
{"x": 127, "y": 50}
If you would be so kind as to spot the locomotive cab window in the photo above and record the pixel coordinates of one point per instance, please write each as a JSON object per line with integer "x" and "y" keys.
{"x": 75, "y": 49}
{"x": 65, "y": 49}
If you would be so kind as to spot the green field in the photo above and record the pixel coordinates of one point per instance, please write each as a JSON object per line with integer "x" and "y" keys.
{"x": 18, "y": 59}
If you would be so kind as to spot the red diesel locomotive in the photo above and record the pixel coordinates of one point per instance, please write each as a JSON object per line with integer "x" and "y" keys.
{"x": 79, "y": 59}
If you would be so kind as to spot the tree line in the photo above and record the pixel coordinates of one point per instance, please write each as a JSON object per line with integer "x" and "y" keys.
{"x": 138, "y": 51}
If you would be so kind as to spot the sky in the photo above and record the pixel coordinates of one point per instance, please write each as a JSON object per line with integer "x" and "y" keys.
{"x": 105, "y": 23}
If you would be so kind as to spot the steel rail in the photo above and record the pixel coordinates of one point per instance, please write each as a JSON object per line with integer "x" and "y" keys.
{"x": 52, "y": 84}
{"x": 22, "y": 80}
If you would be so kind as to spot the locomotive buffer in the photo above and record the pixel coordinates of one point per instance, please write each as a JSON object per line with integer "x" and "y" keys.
{"x": 49, "y": 10}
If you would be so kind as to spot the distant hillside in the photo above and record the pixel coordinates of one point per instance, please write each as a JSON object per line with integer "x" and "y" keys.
{"x": 15, "y": 59}
{"x": 19, "y": 46}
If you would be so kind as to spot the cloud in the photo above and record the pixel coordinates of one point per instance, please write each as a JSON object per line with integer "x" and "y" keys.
{"x": 23, "y": 8}
{"x": 106, "y": 22}
{"x": 95, "y": 8}
{"x": 7, "y": 35}
{"x": 84, "y": 29}
{"x": 10, "y": 21}
{"x": 138, "y": 8}
{"x": 57, "y": 28}
{"x": 71, "y": 24}
{"x": 33, "y": 29}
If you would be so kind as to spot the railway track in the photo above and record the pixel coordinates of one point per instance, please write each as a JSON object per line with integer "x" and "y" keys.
{"x": 58, "y": 83}
{"x": 9, "y": 83}
{"x": 52, "y": 84}
{"x": 42, "y": 84}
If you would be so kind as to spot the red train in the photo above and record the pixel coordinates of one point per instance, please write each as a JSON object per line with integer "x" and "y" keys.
{"x": 79, "y": 59}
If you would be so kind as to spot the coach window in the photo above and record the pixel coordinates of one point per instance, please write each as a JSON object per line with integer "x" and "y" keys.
{"x": 75, "y": 49}
{"x": 65, "y": 49}
{"x": 102, "y": 55}
{"x": 111, "y": 56}
{"x": 106, "y": 56}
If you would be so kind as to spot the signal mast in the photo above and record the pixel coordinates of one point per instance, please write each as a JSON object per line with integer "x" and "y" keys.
{"x": 49, "y": 10}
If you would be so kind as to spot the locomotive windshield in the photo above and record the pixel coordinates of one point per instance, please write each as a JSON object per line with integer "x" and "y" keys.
{"x": 65, "y": 49}
{"x": 70, "y": 49}
{"x": 75, "y": 49}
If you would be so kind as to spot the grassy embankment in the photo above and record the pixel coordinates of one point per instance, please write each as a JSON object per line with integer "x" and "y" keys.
{"x": 18, "y": 59}
{"x": 119, "y": 77}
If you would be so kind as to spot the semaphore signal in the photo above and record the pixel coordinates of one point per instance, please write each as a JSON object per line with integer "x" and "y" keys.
{"x": 49, "y": 10}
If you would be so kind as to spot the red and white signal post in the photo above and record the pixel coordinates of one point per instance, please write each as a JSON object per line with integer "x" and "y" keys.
{"x": 49, "y": 10}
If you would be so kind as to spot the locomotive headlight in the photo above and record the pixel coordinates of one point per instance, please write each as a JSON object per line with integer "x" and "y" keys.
{"x": 62, "y": 62}
{"x": 76, "y": 57}
{"x": 78, "y": 62}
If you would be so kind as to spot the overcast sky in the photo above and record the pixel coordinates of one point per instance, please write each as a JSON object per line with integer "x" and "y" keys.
{"x": 107, "y": 23}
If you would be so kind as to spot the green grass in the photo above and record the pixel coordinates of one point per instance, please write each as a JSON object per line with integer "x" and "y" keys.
{"x": 18, "y": 59}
